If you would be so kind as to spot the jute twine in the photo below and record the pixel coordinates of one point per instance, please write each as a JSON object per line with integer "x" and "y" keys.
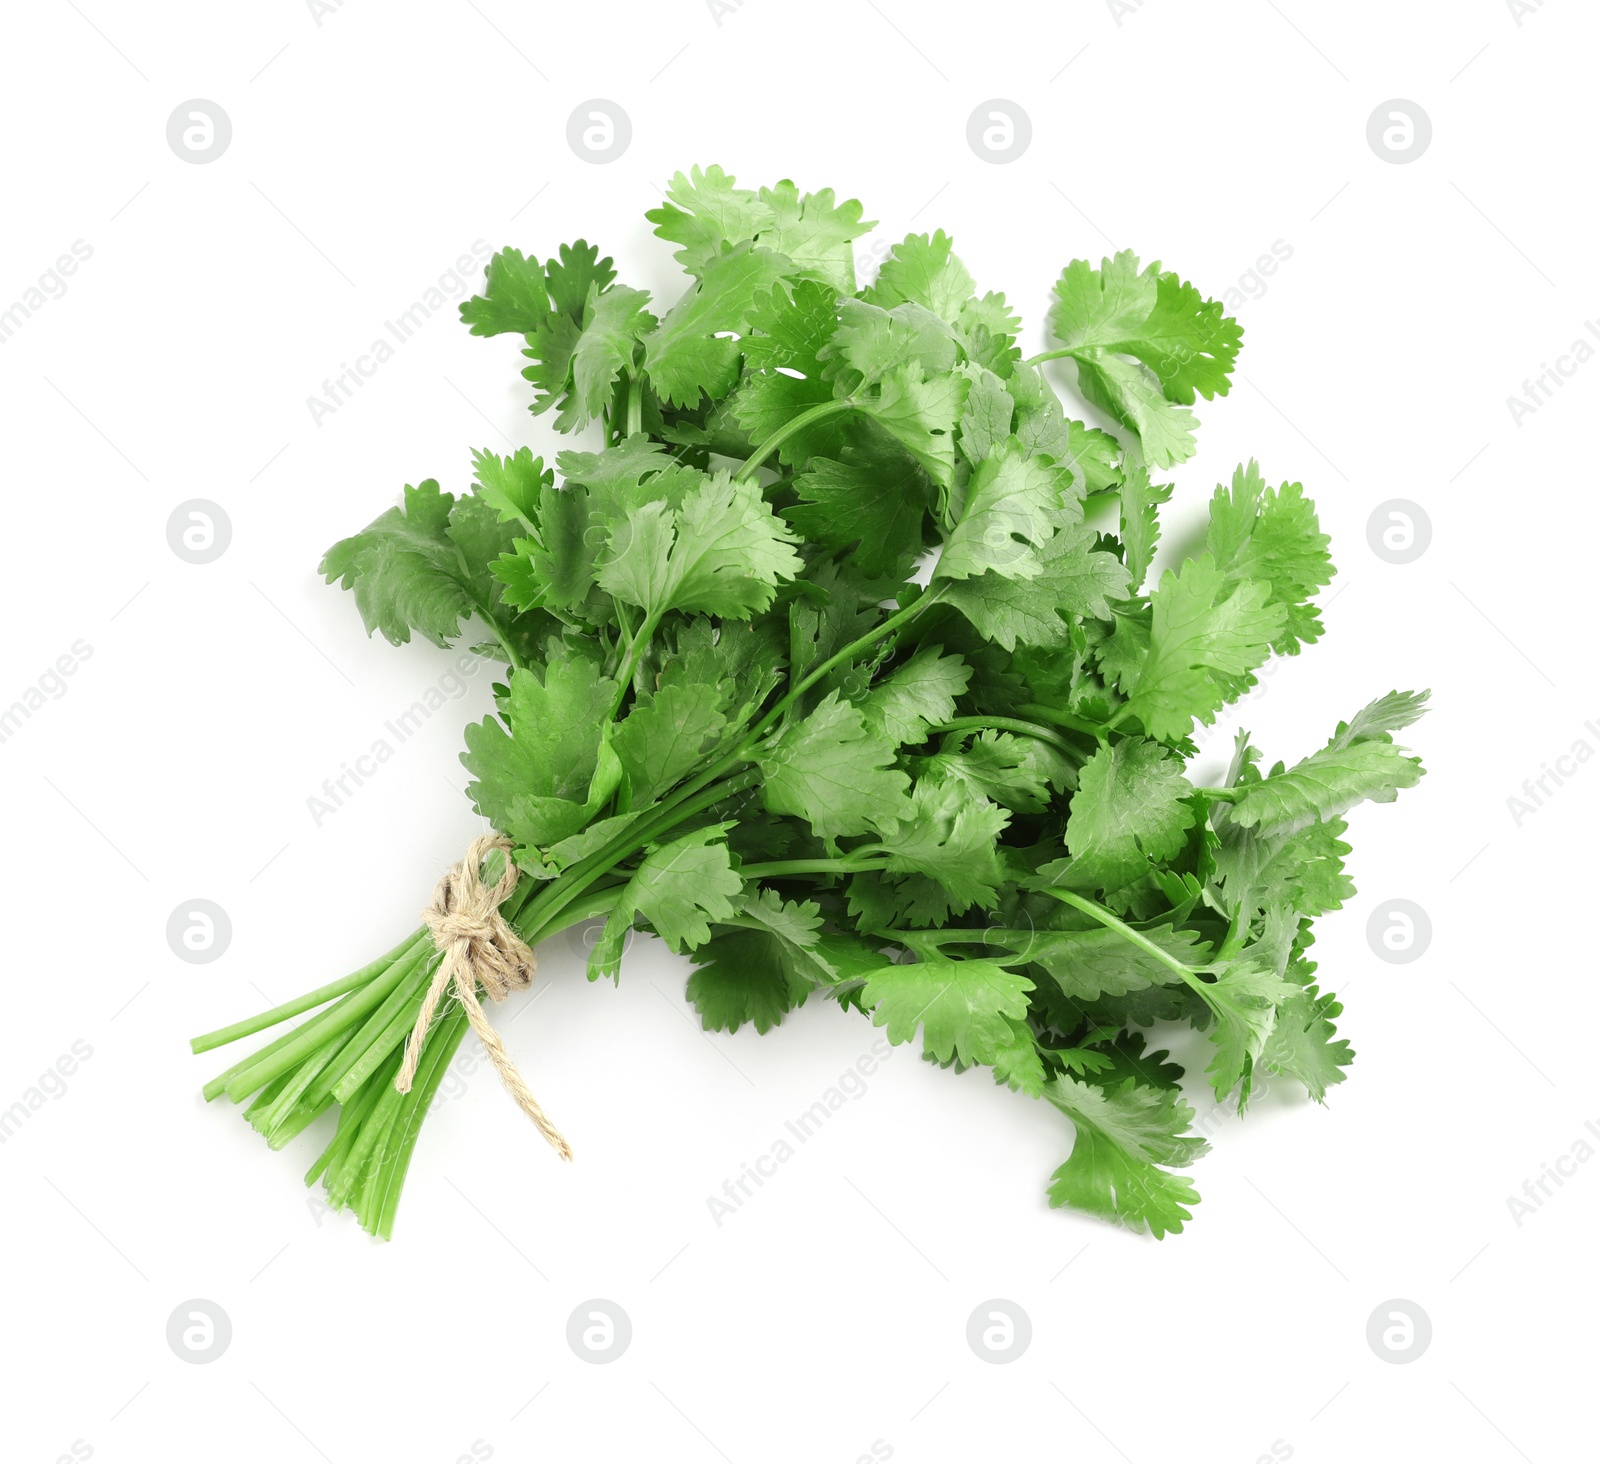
{"x": 479, "y": 948}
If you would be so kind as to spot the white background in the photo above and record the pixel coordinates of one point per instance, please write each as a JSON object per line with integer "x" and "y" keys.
{"x": 368, "y": 152}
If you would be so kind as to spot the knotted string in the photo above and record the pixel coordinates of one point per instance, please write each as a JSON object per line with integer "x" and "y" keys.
{"x": 478, "y": 947}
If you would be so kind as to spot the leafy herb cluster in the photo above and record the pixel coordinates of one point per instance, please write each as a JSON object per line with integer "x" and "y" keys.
{"x": 819, "y": 669}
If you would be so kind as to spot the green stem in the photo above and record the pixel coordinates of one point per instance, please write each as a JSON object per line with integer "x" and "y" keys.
{"x": 251, "y": 1025}
{"x": 1097, "y": 730}
{"x": 1129, "y": 934}
{"x": 821, "y": 412}
{"x": 635, "y": 404}
{"x": 1055, "y": 355}
{"x": 786, "y": 867}
{"x": 1013, "y": 724}
{"x": 630, "y": 662}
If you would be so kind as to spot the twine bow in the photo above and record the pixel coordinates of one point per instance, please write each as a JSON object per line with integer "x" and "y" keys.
{"x": 479, "y": 948}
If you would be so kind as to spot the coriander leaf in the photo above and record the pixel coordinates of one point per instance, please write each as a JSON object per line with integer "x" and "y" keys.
{"x": 512, "y": 486}
{"x": 1042, "y": 427}
{"x": 1075, "y": 580}
{"x": 1139, "y": 500}
{"x": 784, "y": 374}
{"x": 1391, "y": 713}
{"x": 1016, "y": 772}
{"x": 965, "y": 1008}
{"x": 721, "y": 553}
{"x": 1089, "y": 964}
{"x": 705, "y": 212}
{"x": 916, "y": 695}
{"x": 1303, "y": 1044}
{"x": 612, "y": 324}
{"x": 423, "y": 566}
{"x": 1013, "y": 505}
{"x": 571, "y": 276}
{"x": 666, "y": 734}
{"x": 815, "y": 232}
{"x": 1207, "y": 634}
{"x": 1357, "y": 765}
{"x": 870, "y": 342}
{"x": 922, "y": 270}
{"x": 689, "y": 353}
{"x": 920, "y": 413}
{"x": 1017, "y": 1062}
{"x": 830, "y": 770}
{"x": 1303, "y": 870}
{"x": 1123, "y": 1135}
{"x": 873, "y": 504}
{"x": 1164, "y": 322}
{"x": 514, "y": 298}
{"x": 987, "y": 416}
{"x": 681, "y": 886}
{"x": 1131, "y": 807}
{"x": 548, "y": 744}
{"x": 949, "y": 836}
{"x": 761, "y": 969}
{"x": 1271, "y": 534}
{"x": 1244, "y": 1001}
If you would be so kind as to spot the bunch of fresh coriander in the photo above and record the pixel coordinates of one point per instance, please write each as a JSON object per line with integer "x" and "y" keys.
{"x": 818, "y": 671}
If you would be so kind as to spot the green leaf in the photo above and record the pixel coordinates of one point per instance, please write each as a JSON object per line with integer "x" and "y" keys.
{"x": 1013, "y": 505}
{"x": 1143, "y": 341}
{"x": 1207, "y": 634}
{"x": 1271, "y": 534}
{"x": 1360, "y": 763}
{"x": 830, "y": 770}
{"x": 1089, "y": 964}
{"x": 950, "y": 837}
{"x": 1303, "y": 1044}
{"x": 987, "y": 416}
{"x": 784, "y": 374}
{"x": 613, "y": 323}
{"x": 922, "y": 270}
{"x": 706, "y": 213}
{"x": 1074, "y": 580}
{"x": 1244, "y": 1001}
{"x": 815, "y": 232}
{"x": 872, "y": 504}
{"x": 722, "y": 553}
{"x": 965, "y": 1008}
{"x": 514, "y": 298}
{"x": 916, "y": 695}
{"x": 1128, "y": 1140}
{"x": 689, "y": 353}
{"x": 683, "y": 886}
{"x": 920, "y": 413}
{"x": 512, "y": 486}
{"x": 666, "y": 734}
{"x": 576, "y": 271}
{"x": 423, "y": 566}
{"x": 547, "y": 747}
{"x": 762, "y": 969}
{"x": 1131, "y": 807}
{"x": 1139, "y": 499}
{"x": 1016, "y": 772}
